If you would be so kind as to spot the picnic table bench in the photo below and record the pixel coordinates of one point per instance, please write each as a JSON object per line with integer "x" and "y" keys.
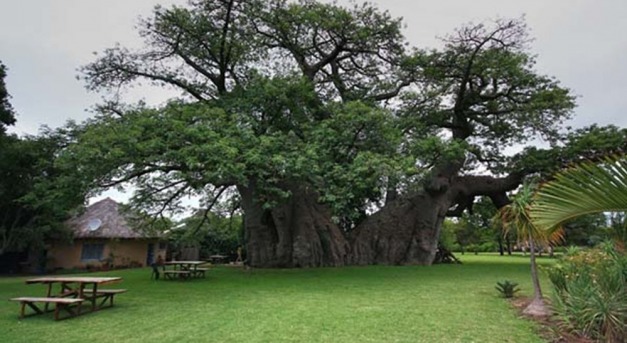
{"x": 60, "y": 304}
{"x": 184, "y": 270}
{"x": 199, "y": 272}
{"x": 73, "y": 293}
{"x": 217, "y": 258}
{"x": 105, "y": 294}
{"x": 173, "y": 274}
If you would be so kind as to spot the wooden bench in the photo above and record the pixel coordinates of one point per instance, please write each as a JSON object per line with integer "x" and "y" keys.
{"x": 60, "y": 304}
{"x": 105, "y": 294}
{"x": 199, "y": 272}
{"x": 173, "y": 274}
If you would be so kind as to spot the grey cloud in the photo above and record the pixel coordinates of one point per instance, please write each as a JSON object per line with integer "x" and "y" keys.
{"x": 42, "y": 42}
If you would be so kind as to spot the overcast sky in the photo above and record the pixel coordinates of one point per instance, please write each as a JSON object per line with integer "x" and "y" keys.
{"x": 43, "y": 42}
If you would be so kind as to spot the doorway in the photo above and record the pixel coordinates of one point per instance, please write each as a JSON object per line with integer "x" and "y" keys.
{"x": 150, "y": 255}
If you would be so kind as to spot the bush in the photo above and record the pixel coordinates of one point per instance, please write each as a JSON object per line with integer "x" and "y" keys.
{"x": 507, "y": 288}
{"x": 488, "y": 247}
{"x": 455, "y": 247}
{"x": 483, "y": 247}
{"x": 560, "y": 249}
{"x": 590, "y": 295}
{"x": 473, "y": 248}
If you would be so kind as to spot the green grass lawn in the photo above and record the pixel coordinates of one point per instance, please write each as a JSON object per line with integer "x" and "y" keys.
{"x": 444, "y": 303}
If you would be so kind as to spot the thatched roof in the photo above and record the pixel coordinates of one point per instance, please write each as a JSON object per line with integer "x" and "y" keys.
{"x": 104, "y": 219}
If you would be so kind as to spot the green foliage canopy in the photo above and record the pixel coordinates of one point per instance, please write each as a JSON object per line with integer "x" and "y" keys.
{"x": 277, "y": 93}
{"x": 33, "y": 202}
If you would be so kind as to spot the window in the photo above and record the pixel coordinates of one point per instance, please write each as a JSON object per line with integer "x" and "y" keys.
{"x": 92, "y": 251}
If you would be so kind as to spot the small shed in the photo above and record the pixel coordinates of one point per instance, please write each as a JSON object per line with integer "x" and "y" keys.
{"x": 103, "y": 238}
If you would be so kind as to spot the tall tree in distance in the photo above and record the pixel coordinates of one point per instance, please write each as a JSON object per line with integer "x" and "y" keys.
{"x": 7, "y": 114}
{"x": 35, "y": 194}
{"x": 33, "y": 206}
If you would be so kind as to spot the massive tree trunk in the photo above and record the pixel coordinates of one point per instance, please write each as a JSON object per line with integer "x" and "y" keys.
{"x": 298, "y": 232}
{"x": 406, "y": 231}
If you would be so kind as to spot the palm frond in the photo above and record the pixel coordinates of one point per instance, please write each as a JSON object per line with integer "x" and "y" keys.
{"x": 516, "y": 217}
{"x": 586, "y": 188}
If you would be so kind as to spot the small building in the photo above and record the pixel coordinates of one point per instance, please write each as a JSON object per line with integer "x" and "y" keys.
{"x": 103, "y": 238}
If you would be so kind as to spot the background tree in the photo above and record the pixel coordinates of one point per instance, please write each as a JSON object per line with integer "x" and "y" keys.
{"x": 35, "y": 196}
{"x": 33, "y": 204}
{"x": 491, "y": 238}
{"x": 7, "y": 114}
{"x": 448, "y": 238}
{"x": 618, "y": 228}
{"x": 218, "y": 235}
{"x": 586, "y": 230}
{"x": 477, "y": 231}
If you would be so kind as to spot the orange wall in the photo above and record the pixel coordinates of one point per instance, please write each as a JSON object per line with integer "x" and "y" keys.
{"x": 64, "y": 255}
{"x": 68, "y": 255}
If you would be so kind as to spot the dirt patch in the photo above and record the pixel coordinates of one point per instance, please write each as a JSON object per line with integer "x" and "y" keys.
{"x": 549, "y": 327}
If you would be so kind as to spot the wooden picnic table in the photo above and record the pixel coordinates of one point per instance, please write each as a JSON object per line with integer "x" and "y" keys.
{"x": 217, "y": 258}
{"x": 74, "y": 290}
{"x": 184, "y": 269}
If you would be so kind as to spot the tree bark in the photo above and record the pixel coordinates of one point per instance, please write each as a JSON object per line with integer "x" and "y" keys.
{"x": 500, "y": 241}
{"x": 298, "y": 232}
{"x": 405, "y": 231}
{"x": 537, "y": 307}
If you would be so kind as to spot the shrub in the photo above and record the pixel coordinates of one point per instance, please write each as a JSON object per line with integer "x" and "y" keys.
{"x": 455, "y": 247}
{"x": 507, "y": 288}
{"x": 488, "y": 247}
{"x": 473, "y": 248}
{"x": 560, "y": 249}
{"x": 590, "y": 295}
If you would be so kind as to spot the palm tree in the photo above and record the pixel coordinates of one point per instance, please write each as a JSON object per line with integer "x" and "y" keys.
{"x": 516, "y": 217}
{"x": 590, "y": 188}
{"x": 586, "y": 188}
